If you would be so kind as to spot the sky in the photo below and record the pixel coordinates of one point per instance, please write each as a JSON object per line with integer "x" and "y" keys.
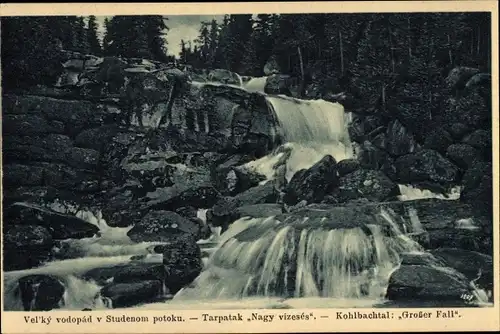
{"x": 181, "y": 27}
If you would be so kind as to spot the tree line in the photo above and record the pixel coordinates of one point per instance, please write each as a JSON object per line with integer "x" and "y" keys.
{"x": 31, "y": 45}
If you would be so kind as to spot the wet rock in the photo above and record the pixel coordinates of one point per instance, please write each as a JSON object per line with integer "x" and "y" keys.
{"x": 235, "y": 180}
{"x": 363, "y": 183}
{"x": 421, "y": 283}
{"x": 475, "y": 266}
{"x": 371, "y": 156}
{"x": 475, "y": 240}
{"x": 481, "y": 141}
{"x": 40, "y": 292}
{"x": 61, "y": 226}
{"x": 163, "y": 226}
{"x": 172, "y": 198}
{"x": 420, "y": 259}
{"x": 438, "y": 140}
{"x": 347, "y": 166}
{"x": 314, "y": 183}
{"x": 130, "y": 294}
{"x": 399, "y": 141}
{"x": 425, "y": 165}
{"x": 278, "y": 84}
{"x": 182, "y": 260}
{"x": 226, "y": 217}
{"x": 463, "y": 155}
{"x": 26, "y": 247}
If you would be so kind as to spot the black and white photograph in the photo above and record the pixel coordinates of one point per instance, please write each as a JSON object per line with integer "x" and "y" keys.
{"x": 247, "y": 161}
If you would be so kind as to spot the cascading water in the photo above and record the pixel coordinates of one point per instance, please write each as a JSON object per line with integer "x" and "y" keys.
{"x": 409, "y": 192}
{"x": 255, "y": 84}
{"x": 302, "y": 258}
{"x": 311, "y": 129}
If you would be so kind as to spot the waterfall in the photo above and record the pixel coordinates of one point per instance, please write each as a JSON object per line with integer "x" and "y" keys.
{"x": 311, "y": 130}
{"x": 267, "y": 258}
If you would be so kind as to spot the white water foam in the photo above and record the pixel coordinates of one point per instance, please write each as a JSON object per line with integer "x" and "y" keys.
{"x": 409, "y": 192}
{"x": 255, "y": 84}
{"x": 311, "y": 129}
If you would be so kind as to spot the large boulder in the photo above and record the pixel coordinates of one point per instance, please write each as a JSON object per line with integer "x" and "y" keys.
{"x": 61, "y": 226}
{"x": 26, "y": 246}
{"x": 463, "y": 155}
{"x": 41, "y": 292}
{"x": 475, "y": 266}
{"x": 163, "y": 226}
{"x": 182, "y": 260}
{"x": 425, "y": 165}
{"x": 364, "y": 183}
{"x": 347, "y": 166}
{"x": 439, "y": 140}
{"x": 120, "y": 295}
{"x": 313, "y": 184}
{"x": 399, "y": 141}
{"x": 459, "y": 76}
{"x": 220, "y": 217}
{"x": 425, "y": 283}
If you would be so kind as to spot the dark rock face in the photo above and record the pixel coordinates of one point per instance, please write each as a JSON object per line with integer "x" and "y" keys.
{"x": 40, "y": 292}
{"x": 477, "y": 185}
{"x": 459, "y": 76}
{"x": 363, "y": 183}
{"x": 313, "y": 184}
{"x": 458, "y": 130}
{"x": 425, "y": 165}
{"x": 222, "y": 212}
{"x": 481, "y": 141}
{"x": 182, "y": 260}
{"x": 83, "y": 114}
{"x": 221, "y": 217}
{"x": 130, "y": 294}
{"x": 163, "y": 226}
{"x": 372, "y": 157}
{"x": 423, "y": 283}
{"x": 224, "y": 76}
{"x": 474, "y": 265}
{"x": 61, "y": 226}
{"x": 462, "y": 155}
{"x": 399, "y": 140}
{"x": 439, "y": 140}
{"x": 26, "y": 246}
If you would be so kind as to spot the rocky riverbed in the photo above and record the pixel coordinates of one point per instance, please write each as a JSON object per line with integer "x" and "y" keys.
{"x": 106, "y": 205}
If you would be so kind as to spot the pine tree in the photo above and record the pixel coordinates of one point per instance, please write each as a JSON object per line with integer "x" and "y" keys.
{"x": 92, "y": 39}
